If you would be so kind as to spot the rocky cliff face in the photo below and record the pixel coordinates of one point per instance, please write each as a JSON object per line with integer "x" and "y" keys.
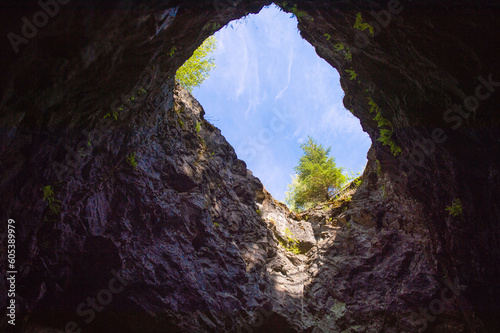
{"x": 134, "y": 214}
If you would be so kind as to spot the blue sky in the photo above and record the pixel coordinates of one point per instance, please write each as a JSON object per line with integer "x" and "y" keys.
{"x": 269, "y": 91}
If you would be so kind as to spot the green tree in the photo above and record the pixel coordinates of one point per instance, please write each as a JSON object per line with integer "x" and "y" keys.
{"x": 317, "y": 177}
{"x": 196, "y": 69}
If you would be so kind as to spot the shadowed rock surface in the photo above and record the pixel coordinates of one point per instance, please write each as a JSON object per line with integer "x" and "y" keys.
{"x": 89, "y": 108}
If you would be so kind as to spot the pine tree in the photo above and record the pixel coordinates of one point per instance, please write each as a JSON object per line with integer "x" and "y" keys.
{"x": 196, "y": 69}
{"x": 317, "y": 177}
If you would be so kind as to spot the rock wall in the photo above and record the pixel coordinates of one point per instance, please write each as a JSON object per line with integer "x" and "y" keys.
{"x": 115, "y": 179}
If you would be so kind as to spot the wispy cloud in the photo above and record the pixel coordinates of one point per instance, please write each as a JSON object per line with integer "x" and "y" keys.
{"x": 244, "y": 72}
{"x": 289, "y": 74}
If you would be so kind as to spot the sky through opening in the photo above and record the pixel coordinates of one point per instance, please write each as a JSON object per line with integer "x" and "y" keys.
{"x": 269, "y": 91}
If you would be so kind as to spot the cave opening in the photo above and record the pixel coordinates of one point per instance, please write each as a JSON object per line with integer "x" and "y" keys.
{"x": 269, "y": 91}
{"x": 167, "y": 228}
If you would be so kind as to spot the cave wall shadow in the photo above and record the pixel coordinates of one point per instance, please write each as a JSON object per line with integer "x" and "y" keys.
{"x": 417, "y": 68}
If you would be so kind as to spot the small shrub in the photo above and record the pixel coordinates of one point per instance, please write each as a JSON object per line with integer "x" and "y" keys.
{"x": 360, "y": 25}
{"x": 385, "y": 138}
{"x": 455, "y": 209}
{"x": 348, "y": 55}
{"x": 114, "y": 114}
{"x": 379, "y": 168}
{"x": 358, "y": 181}
{"x": 196, "y": 69}
{"x": 338, "y": 47}
{"x": 181, "y": 123}
{"x": 293, "y": 244}
{"x": 381, "y": 121}
{"x": 48, "y": 196}
{"x": 198, "y": 127}
{"x": 300, "y": 14}
{"x": 211, "y": 26}
{"x": 294, "y": 249}
{"x": 384, "y": 191}
{"x": 172, "y": 51}
{"x": 352, "y": 74}
{"x": 373, "y": 105}
{"x": 385, "y": 133}
{"x": 131, "y": 160}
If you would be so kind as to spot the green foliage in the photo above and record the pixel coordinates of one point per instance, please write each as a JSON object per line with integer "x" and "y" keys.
{"x": 328, "y": 37}
{"x": 181, "y": 123}
{"x": 358, "y": 181}
{"x": 338, "y": 47}
{"x": 258, "y": 212}
{"x": 381, "y": 121}
{"x": 48, "y": 196}
{"x": 348, "y": 55}
{"x": 300, "y": 14}
{"x": 455, "y": 209}
{"x": 198, "y": 127}
{"x": 216, "y": 224}
{"x": 385, "y": 128}
{"x": 352, "y": 74}
{"x": 131, "y": 160}
{"x": 211, "y": 26}
{"x": 292, "y": 244}
{"x": 384, "y": 191}
{"x": 317, "y": 178}
{"x": 172, "y": 51}
{"x": 373, "y": 106}
{"x": 379, "y": 169}
{"x": 196, "y": 69}
{"x": 114, "y": 114}
{"x": 360, "y": 25}
{"x": 386, "y": 139}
